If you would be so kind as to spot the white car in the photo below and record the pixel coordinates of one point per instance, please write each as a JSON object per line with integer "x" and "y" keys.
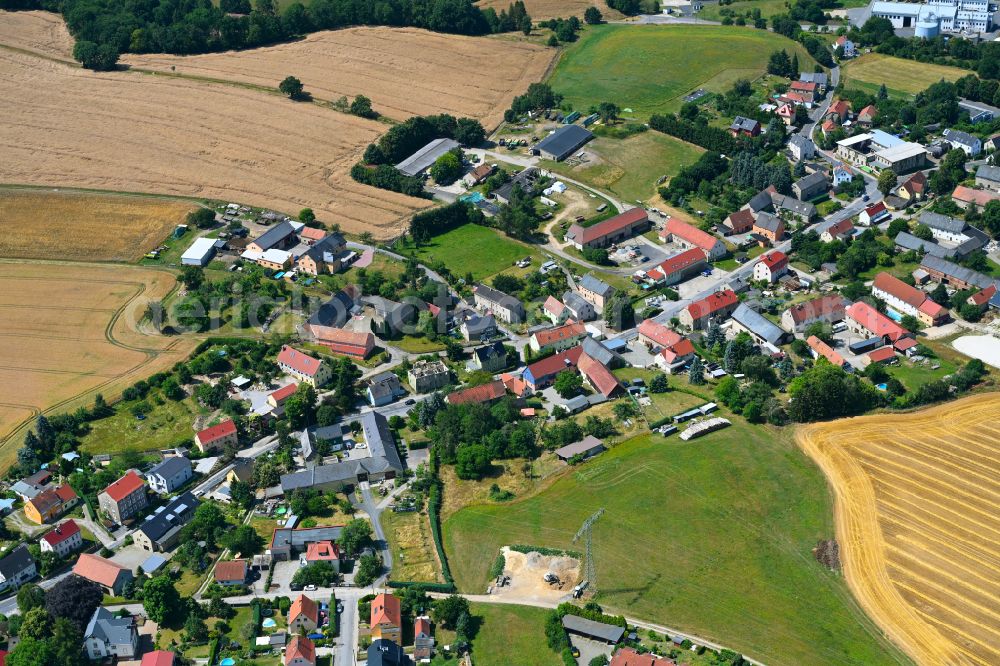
{"x": 309, "y": 588}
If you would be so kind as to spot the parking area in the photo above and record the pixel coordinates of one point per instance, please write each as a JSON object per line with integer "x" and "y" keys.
{"x": 131, "y": 557}
{"x": 281, "y": 578}
{"x": 589, "y": 649}
{"x": 699, "y": 283}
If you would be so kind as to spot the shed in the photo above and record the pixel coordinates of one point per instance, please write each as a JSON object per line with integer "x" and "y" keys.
{"x": 865, "y": 345}
{"x": 199, "y": 253}
{"x": 600, "y": 631}
{"x": 563, "y": 142}
{"x": 587, "y": 447}
{"x": 422, "y": 160}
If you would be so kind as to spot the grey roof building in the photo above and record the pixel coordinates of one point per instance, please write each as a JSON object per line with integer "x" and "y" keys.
{"x": 312, "y": 435}
{"x": 338, "y": 310}
{"x": 563, "y": 142}
{"x": 741, "y": 124}
{"x": 169, "y": 475}
{"x": 955, "y": 274}
{"x": 587, "y": 447}
{"x": 110, "y": 636}
{"x": 760, "y": 201}
{"x": 16, "y": 568}
{"x": 596, "y": 286}
{"x": 759, "y": 326}
{"x": 492, "y": 357}
{"x": 943, "y": 223}
{"x": 285, "y": 541}
{"x": 801, "y": 146}
{"x": 609, "y": 633}
{"x": 978, "y": 111}
{"x": 810, "y": 186}
{"x": 988, "y": 176}
{"x": 600, "y": 353}
{"x": 383, "y": 652}
{"x": 908, "y": 241}
{"x": 768, "y": 222}
{"x": 477, "y": 328}
{"x": 581, "y": 308}
{"x": 819, "y": 78}
{"x": 275, "y": 235}
{"x": 801, "y": 208}
{"x": 161, "y": 529}
{"x": 422, "y": 160}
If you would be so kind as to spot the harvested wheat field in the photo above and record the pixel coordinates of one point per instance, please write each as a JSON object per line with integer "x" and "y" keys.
{"x": 405, "y": 71}
{"x": 77, "y": 226}
{"x": 163, "y": 135}
{"x": 71, "y": 331}
{"x": 540, "y": 10}
{"x": 44, "y": 33}
{"x": 918, "y": 519}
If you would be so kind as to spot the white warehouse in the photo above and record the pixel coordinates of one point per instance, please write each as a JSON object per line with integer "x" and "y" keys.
{"x": 931, "y": 18}
{"x": 201, "y": 252}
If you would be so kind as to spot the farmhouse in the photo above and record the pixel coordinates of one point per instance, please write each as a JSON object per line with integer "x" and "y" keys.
{"x": 222, "y": 434}
{"x": 678, "y": 268}
{"x": 841, "y": 230}
{"x": 279, "y": 237}
{"x": 699, "y": 314}
{"x": 803, "y": 209}
{"x": 595, "y": 291}
{"x": 504, "y": 307}
{"x": 618, "y": 228}
{"x": 109, "y": 575}
{"x": 907, "y": 241}
{"x": 988, "y": 177}
{"x": 629, "y": 657}
{"x": 478, "y": 175}
{"x": 63, "y": 540}
{"x": 354, "y": 344}
{"x": 524, "y": 181}
{"x": 124, "y": 498}
{"x": 820, "y": 348}
{"x": 811, "y": 186}
{"x": 759, "y": 327}
{"x": 952, "y": 230}
{"x": 588, "y": 447}
{"x": 286, "y": 542}
{"x": 303, "y": 367}
{"x": 866, "y": 321}
{"x": 540, "y": 374}
{"x": 484, "y": 394}
{"x": 874, "y": 214}
{"x": 558, "y": 338}
{"x": 739, "y": 222}
{"x": 423, "y": 159}
{"x": 50, "y": 504}
{"x": 169, "y": 475}
{"x": 425, "y": 376}
{"x": 769, "y": 227}
{"x": 801, "y": 147}
{"x": 972, "y": 145}
{"x": 562, "y": 143}
{"x": 905, "y": 299}
{"x": 771, "y": 266}
{"x": 954, "y": 275}
{"x": 688, "y": 236}
{"x": 827, "y": 309}
{"x": 967, "y": 197}
{"x": 326, "y": 255}
{"x": 201, "y": 252}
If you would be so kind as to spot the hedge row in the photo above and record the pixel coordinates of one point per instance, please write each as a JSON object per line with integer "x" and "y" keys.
{"x": 434, "y": 513}
{"x": 429, "y": 587}
{"x": 541, "y": 550}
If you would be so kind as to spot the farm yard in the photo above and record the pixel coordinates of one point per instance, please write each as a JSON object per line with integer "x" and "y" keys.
{"x": 71, "y": 331}
{"x": 144, "y": 133}
{"x": 77, "y": 226}
{"x": 900, "y": 76}
{"x": 916, "y": 509}
{"x": 43, "y": 33}
{"x": 405, "y": 71}
{"x": 720, "y": 543}
{"x": 610, "y": 63}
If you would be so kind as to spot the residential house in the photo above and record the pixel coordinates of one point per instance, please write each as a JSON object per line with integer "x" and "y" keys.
{"x": 426, "y": 376}
{"x": 221, "y": 435}
{"x": 810, "y": 88}
{"x": 875, "y": 213}
{"x": 820, "y": 348}
{"x": 487, "y": 394}
{"x": 760, "y": 201}
{"x": 281, "y": 237}
{"x": 787, "y": 114}
{"x": 811, "y": 186}
{"x": 558, "y": 338}
{"x": 16, "y": 568}
{"x": 323, "y": 256}
{"x": 907, "y": 300}
{"x": 819, "y": 78}
{"x": 479, "y": 328}
{"x": 760, "y": 328}
{"x": 332, "y": 436}
{"x": 864, "y": 320}
{"x": 840, "y": 230}
{"x": 110, "y": 637}
{"x": 688, "y": 236}
{"x": 504, "y": 307}
{"x": 276, "y": 399}
{"x": 672, "y": 350}
{"x": 842, "y": 174}
{"x": 491, "y": 358}
{"x": 588, "y": 447}
{"x": 968, "y": 198}
{"x": 988, "y": 177}
{"x": 827, "y": 309}
{"x": 542, "y": 373}
{"x": 801, "y": 147}
{"x": 31, "y": 486}
{"x": 124, "y": 498}
{"x": 478, "y": 175}
{"x": 598, "y": 376}
{"x": 158, "y": 658}
{"x": 231, "y": 572}
{"x": 387, "y": 653}
{"x": 423, "y": 640}
{"x": 112, "y": 577}
{"x": 839, "y": 111}
{"x": 913, "y": 189}
{"x": 907, "y": 241}
{"x": 287, "y": 543}
{"x": 300, "y": 652}
{"x": 161, "y": 530}
{"x": 49, "y": 504}
{"x": 355, "y": 344}
{"x": 797, "y": 98}
{"x": 867, "y": 115}
{"x": 323, "y": 551}
{"x": 678, "y": 268}
{"x": 385, "y": 621}
{"x": 954, "y": 275}
{"x": 303, "y": 367}
{"x": 801, "y": 209}
{"x": 739, "y": 222}
{"x": 769, "y": 227}
{"x": 770, "y": 267}
{"x": 618, "y": 228}
{"x": 603, "y": 353}
{"x": 555, "y": 310}
{"x": 303, "y": 615}
{"x": 846, "y": 46}
{"x": 744, "y": 127}
{"x": 63, "y": 540}
{"x": 169, "y": 475}
{"x": 946, "y": 228}
{"x": 972, "y": 145}
{"x": 578, "y": 307}
{"x": 717, "y": 306}
{"x": 981, "y": 299}
{"x": 594, "y": 290}
{"x": 384, "y": 388}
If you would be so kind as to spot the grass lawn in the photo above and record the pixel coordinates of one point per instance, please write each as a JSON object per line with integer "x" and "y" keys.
{"x": 913, "y": 374}
{"x": 630, "y": 167}
{"x": 650, "y": 68}
{"x": 413, "y": 556}
{"x": 510, "y": 475}
{"x": 166, "y": 425}
{"x": 510, "y": 634}
{"x": 905, "y": 77}
{"x": 474, "y": 249}
{"x": 415, "y": 345}
{"x": 714, "y": 536}
{"x": 680, "y": 398}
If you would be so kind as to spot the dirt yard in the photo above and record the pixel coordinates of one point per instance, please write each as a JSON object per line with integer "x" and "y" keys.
{"x": 40, "y": 32}
{"x": 527, "y": 571}
{"x": 84, "y": 227}
{"x": 144, "y": 133}
{"x": 918, "y": 525}
{"x": 70, "y": 331}
{"x": 405, "y": 71}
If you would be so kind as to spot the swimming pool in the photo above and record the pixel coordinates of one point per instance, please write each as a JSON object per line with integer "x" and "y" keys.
{"x": 475, "y": 197}
{"x": 268, "y": 623}
{"x": 228, "y": 661}
{"x": 893, "y": 315}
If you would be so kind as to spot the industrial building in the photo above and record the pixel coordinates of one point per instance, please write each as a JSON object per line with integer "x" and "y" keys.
{"x": 563, "y": 142}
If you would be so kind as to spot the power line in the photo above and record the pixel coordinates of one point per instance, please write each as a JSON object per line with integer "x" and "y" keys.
{"x": 586, "y": 531}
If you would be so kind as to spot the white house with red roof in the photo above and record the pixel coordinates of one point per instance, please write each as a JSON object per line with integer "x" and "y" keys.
{"x": 841, "y": 230}
{"x": 718, "y": 305}
{"x": 618, "y": 228}
{"x": 866, "y": 321}
{"x": 303, "y": 367}
{"x": 558, "y": 338}
{"x": 124, "y": 498}
{"x": 874, "y": 214}
{"x": 673, "y": 351}
{"x": 217, "y": 437}
{"x": 820, "y": 348}
{"x": 771, "y": 267}
{"x": 63, "y": 540}
{"x": 908, "y": 300}
{"x": 598, "y": 376}
{"x": 678, "y": 267}
{"x": 688, "y": 236}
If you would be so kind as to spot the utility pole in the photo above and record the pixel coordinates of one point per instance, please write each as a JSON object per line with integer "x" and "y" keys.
{"x": 586, "y": 531}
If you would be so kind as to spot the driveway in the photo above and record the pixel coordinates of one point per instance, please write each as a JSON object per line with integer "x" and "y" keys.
{"x": 370, "y": 506}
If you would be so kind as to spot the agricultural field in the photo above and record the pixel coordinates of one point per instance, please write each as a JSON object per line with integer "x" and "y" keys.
{"x": 902, "y": 77}
{"x": 714, "y": 535}
{"x": 412, "y": 547}
{"x": 76, "y": 226}
{"x": 917, "y": 520}
{"x": 40, "y": 32}
{"x": 475, "y": 249}
{"x": 611, "y": 63}
{"x": 405, "y": 71}
{"x": 630, "y": 167}
{"x": 546, "y": 9}
{"x": 135, "y": 132}
{"x": 71, "y": 331}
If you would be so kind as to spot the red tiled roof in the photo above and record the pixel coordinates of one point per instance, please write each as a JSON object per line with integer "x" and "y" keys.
{"x": 797, "y": 97}
{"x": 340, "y": 335}
{"x": 299, "y": 361}
{"x": 868, "y": 112}
{"x": 840, "y": 107}
{"x": 515, "y": 385}
{"x": 322, "y": 550}
{"x": 51, "y": 498}
{"x": 304, "y": 606}
{"x": 61, "y": 533}
{"x": 841, "y": 227}
{"x": 607, "y": 227}
{"x": 690, "y": 234}
{"x": 969, "y": 195}
{"x": 158, "y": 658}
{"x": 876, "y": 322}
{"x": 829, "y": 126}
{"x": 422, "y": 625}
{"x": 231, "y": 570}
{"x": 785, "y": 110}
{"x": 629, "y": 657}
{"x": 683, "y": 348}
{"x": 830, "y": 303}
{"x": 553, "y": 364}
{"x": 810, "y": 86}
{"x": 917, "y": 182}
{"x": 905, "y": 343}
{"x": 284, "y": 393}
{"x": 598, "y": 376}
{"x": 124, "y": 486}
{"x": 741, "y": 219}
{"x": 883, "y": 354}
{"x": 983, "y": 296}
{"x": 677, "y": 263}
{"x": 825, "y": 350}
{"x": 217, "y": 432}
{"x": 553, "y": 306}
{"x": 932, "y": 309}
{"x": 97, "y": 569}
{"x": 568, "y": 331}
{"x": 300, "y": 647}
{"x": 385, "y": 610}
{"x": 912, "y": 296}
{"x": 312, "y": 233}
{"x": 477, "y": 394}
{"x": 875, "y": 210}
{"x": 659, "y": 333}
{"x": 713, "y": 303}
{"x": 774, "y": 260}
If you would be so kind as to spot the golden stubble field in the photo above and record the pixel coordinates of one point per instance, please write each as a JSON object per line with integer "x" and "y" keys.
{"x": 405, "y": 71}
{"x": 84, "y": 227}
{"x": 540, "y": 10}
{"x": 71, "y": 331}
{"x": 121, "y": 131}
{"x": 918, "y": 519}
{"x": 40, "y": 32}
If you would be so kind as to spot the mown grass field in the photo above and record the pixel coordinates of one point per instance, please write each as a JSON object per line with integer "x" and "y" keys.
{"x": 474, "y": 249}
{"x": 168, "y": 424}
{"x": 511, "y": 635}
{"x": 713, "y": 536}
{"x": 650, "y": 68}
{"x": 904, "y": 77}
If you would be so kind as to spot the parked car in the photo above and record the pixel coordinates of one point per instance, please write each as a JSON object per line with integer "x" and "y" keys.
{"x": 310, "y": 588}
